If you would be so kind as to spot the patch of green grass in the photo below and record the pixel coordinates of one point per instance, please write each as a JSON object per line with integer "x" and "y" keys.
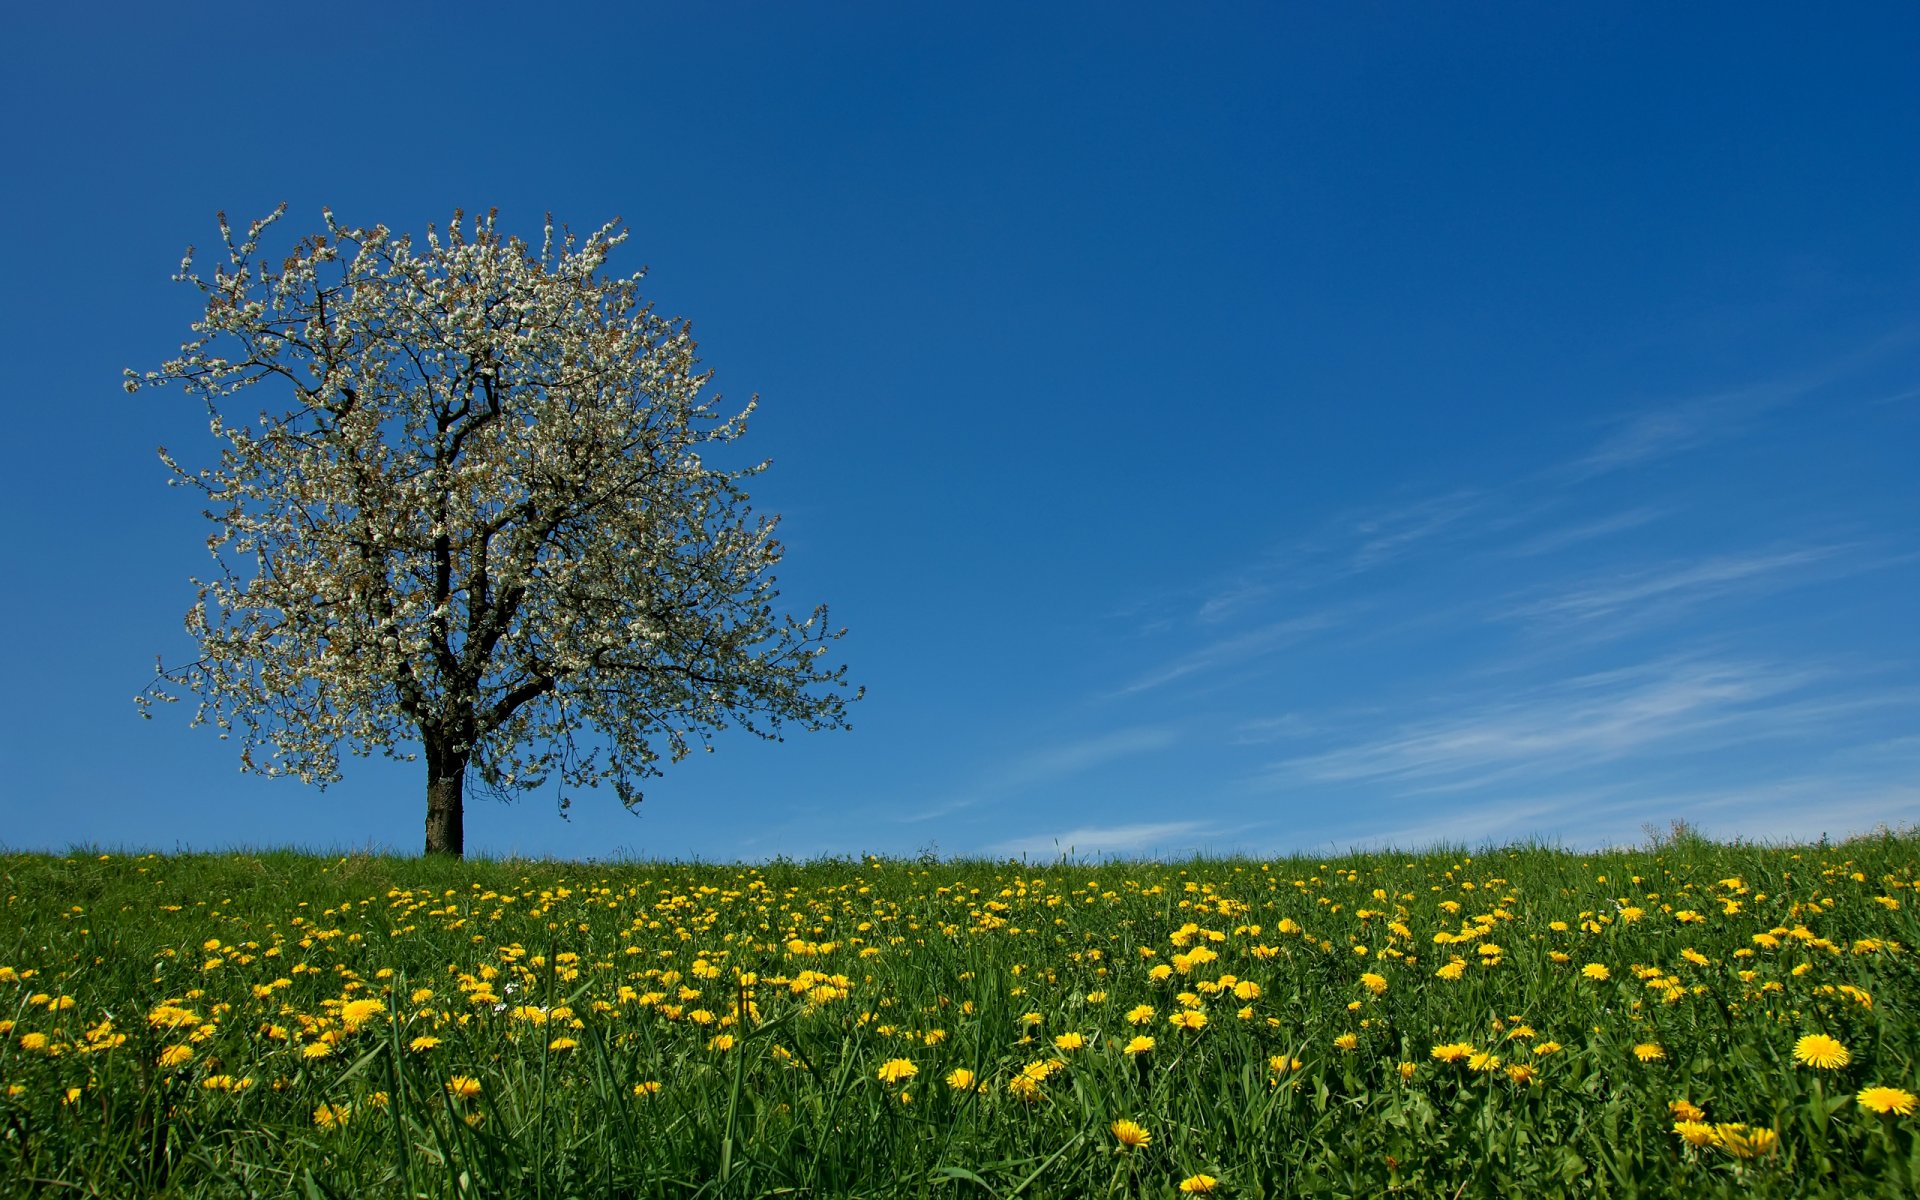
{"x": 279, "y": 1024}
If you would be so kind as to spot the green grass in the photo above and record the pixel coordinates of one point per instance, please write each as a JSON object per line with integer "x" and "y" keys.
{"x": 184, "y": 1025}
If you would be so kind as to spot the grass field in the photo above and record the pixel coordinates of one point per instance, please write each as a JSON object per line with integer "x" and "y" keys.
{"x": 1689, "y": 1019}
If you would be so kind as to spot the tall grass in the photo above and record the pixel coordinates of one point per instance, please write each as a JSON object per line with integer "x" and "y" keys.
{"x": 198, "y": 1025}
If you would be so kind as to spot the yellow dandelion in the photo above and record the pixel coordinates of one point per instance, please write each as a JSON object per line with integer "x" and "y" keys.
{"x": 719, "y": 1042}
{"x": 1452, "y": 1052}
{"x": 1070, "y": 1042}
{"x": 424, "y": 1042}
{"x": 1377, "y": 984}
{"x": 1130, "y": 1134}
{"x": 1648, "y": 1052}
{"x": 316, "y": 1050}
{"x": 650, "y": 1087}
{"x": 37, "y": 1041}
{"x": 355, "y": 1013}
{"x": 1485, "y": 1060}
{"x": 1407, "y": 1069}
{"x": 1189, "y": 1020}
{"x": 1347, "y": 1041}
{"x": 1596, "y": 972}
{"x": 1686, "y": 1110}
{"x": 330, "y": 1116}
{"x": 896, "y": 1070}
{"x": 1198, "y": 1185}
{"x": 562, "y": 1043}
{"x": 1742, "y": 1142}
{"x": 1452, "y": 970}
{"x": 1696, "y": 1133}
{"x": 463, "y": 1087}
{"x": 1886, "y": 1100}
{"x": 1138, "y": 1045}
{"x": 960, "y": 1079}
{"x": 176, "y": 1056}
{"x": 1819, "y": 1050}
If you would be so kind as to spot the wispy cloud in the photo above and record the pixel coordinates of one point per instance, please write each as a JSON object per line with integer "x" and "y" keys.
{"x": 1387, "y": 534}
{"x": 1233, "y": 651}
{"x": 1261, "y": 730}
{"x": 1661, "y": 432}
{"x": 1166, "y": 837}
{"x": 1554, "y": 540}
{"x": 1672, "y": 587}
{"x": 1587, "y": 720}
{"x": 1049, "y": 764}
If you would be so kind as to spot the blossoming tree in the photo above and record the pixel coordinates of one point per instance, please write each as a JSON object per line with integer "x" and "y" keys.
{"x": 463, "y": 515}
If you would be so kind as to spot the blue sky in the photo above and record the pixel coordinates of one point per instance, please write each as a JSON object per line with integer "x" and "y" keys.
{"x": 1262, "y": 428}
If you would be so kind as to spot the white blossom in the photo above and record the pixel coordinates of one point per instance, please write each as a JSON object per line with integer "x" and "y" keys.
{"x": 468, "y": 508}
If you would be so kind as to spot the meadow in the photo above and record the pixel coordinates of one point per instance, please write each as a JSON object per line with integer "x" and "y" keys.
{"x": 1685, "y": 1019}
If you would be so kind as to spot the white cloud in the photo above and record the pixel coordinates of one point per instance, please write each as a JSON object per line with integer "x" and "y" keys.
{"x": 1554, "y": 540}
{"x": 1049, "y": 764}
{"x": 1590, "y": 719}
{"x": 1166, "y": 838}
{"x": 1665, "y": 589}
{"x": 1233, "y": 651}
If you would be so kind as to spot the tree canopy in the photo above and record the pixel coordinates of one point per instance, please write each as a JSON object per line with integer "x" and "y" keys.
{"x": 461, "y": 513}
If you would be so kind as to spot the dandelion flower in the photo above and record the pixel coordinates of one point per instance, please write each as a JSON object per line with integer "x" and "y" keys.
{"x": 1452, "y": 1052}
{"x": 315, "y": 1050}
{"x": 1189, "y": 1020}
{"x": 1377, "y": 984}
{"x": 1686, "y": 1110}
{"x": 1696, "y": 1133}
{"x": 1407, "y": 1069}
{"x": 1070, "y": 1042}
{"x": 1886, "y": 1100}
{"x": 1139, "y": 1045}
{"x": 1596, "y": 972}
{"x": 1742, "y": 1142}
{"x": 960, "y": 1079}
{"x": 1520, "y": 1073}
{"x": 1346, "y": 1041}
{"x": 33, "y": 1041}
{"x": 355, "y": 1013}
{"x": 1486, "y": 1060}
{"x": 650, "y": 1087}
{"x": 463, "y": 1087}
{"x": 1140, "y": 1014}
{"x": 562, "y": 1043}
{"x": 330, "y": 1116}
{"x": 424, "y": 1042}
{"x": 1819, "y": 1050}
{"x": 719, "y": 1042}
{"x": 176, "y": 1056}
{"x": 896, "y": 1070}
{"x": 1198, "y": 1185}
{"x": 1452, "y": 970}
{"x": 1130, "y": 1134}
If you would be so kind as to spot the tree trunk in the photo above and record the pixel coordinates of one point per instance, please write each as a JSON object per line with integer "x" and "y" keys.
{"x": 446, "y": 816}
